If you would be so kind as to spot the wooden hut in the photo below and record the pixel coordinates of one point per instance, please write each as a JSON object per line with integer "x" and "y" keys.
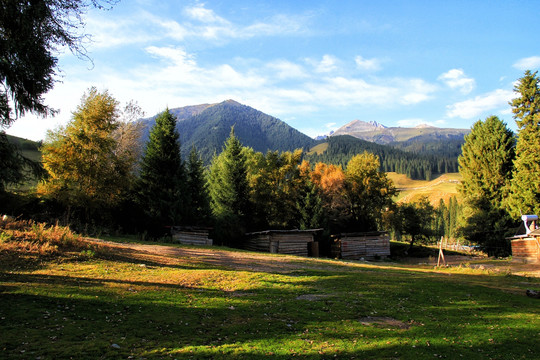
{"x": 526, "y": 247}
{"x": 191, "y": 235}
{"x": 361, "y": 245}
{"x": 292, "y": 242}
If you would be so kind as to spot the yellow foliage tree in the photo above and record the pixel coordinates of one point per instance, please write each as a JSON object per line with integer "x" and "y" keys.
{"x": 85, "y": 168}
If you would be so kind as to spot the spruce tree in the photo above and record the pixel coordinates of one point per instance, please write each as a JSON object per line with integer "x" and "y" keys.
{"x": 525, "y": 188}
{"x": 486, "y": 165}
{"x": 198, "y": 210}
{"x": 229, "y": 191}
{"x": 161, "y": 185}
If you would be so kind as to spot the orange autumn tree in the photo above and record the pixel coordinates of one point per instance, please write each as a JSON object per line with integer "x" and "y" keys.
{"x": 330, "y": 179}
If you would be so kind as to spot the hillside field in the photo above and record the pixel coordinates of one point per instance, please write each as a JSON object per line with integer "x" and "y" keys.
{"x": 147, "y": 301}
{"x": 442, "y": 187}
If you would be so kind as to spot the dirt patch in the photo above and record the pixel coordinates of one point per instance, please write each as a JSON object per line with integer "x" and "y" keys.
{"x": 384, "y": 322}
{"x": 171, "y": 255}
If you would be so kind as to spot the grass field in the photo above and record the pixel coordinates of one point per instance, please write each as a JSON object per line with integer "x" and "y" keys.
{"x": 131, "y": 301}
{"x": 442, "y": 187}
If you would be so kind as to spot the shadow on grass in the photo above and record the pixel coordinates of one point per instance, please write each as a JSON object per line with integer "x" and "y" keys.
{"x": 57, "y": 317}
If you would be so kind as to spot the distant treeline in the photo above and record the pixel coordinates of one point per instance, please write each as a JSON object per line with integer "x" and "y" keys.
{"x": 415, "y": 165}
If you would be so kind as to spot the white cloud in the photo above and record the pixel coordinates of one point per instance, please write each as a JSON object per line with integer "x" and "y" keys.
{"x": 411, "y": 122}
{"x": 492, "y": 101}
{"x": 368, "y": 64}
{"x": 529, "y": 63}
{"x": 202, "y": 14}
{"x": 144, "y": 27}
{"x": 327, "y": 64}
{"x": 287, "y": 70}
{"x": 456, "y": 79}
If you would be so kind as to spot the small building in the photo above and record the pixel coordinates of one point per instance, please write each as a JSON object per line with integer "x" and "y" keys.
{"x": 191, "y": 235}
{"x": 367, "y": 245}
{"x": 526, "y": 247}
{"x": 291, "y": 242}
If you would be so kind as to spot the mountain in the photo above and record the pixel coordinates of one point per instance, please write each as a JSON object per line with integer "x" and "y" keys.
{"x": 380, "y": 134}
{"x": 207, "y": 127}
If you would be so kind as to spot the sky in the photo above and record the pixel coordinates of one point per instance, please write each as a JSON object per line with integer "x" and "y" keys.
{"x": 317, "y": 65}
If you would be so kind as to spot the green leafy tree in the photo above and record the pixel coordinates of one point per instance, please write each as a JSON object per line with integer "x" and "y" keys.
{"x": 369, "y": 191}
{"x": 525, "y": 187}
{"x": 486, "y": 167}
{"x": 198, "y": 209}
{"x": 416, "y": 220}
{"x": 83, "y": 166}
{"x": 230, "y": 191}
{"x": 274, "y": 182}
{"x": 161, "y": 185}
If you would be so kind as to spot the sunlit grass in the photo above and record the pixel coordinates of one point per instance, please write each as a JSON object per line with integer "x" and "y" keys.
{"x": 119, "y": 307}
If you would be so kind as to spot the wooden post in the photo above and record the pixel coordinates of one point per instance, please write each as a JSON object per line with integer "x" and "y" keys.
{"x": 441, "y": 254}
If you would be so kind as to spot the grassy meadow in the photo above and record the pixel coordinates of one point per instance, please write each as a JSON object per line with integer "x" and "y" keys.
{"x": 129, "y": 301}
{"x": 442, "y": 187}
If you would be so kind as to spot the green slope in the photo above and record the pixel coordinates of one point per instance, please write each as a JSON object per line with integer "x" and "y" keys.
{"x": 209, "y": 127}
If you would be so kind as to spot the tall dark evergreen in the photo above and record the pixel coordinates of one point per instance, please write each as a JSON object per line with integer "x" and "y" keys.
{"x": 230, "y": 192}
{"x": 198, "y": 209}
{"x": 486, "y": 167}
{"x": 161, "y": 188}
{"x": 31, "y": 32}
{"x": 310, "y": 207}
{"x": 525, "y": 188}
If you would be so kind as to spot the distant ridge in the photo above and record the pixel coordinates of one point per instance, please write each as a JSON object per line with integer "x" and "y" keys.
{"x": 380, "y": 134}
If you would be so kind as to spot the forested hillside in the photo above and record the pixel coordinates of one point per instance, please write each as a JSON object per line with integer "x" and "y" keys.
{"x": 210, "y": 125}
{"x": 416, "y": 166}
{"x": 445, "y": 146}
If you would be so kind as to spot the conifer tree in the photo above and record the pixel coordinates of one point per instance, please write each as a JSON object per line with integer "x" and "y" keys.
{"x": 525, "y": 187}
{"x": 198, "y": 212}
{"x": 486, "y": 165}
{"x": 161, "y": 188}
{"x": 229, "y": 191}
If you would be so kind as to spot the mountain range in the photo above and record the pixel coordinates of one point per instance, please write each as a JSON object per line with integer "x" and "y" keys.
{"x": 380, "y": 134}
{"x": 207, "y": 126}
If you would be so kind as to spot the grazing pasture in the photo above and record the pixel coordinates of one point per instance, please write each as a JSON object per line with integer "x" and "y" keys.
{"x": 144, "y": 301}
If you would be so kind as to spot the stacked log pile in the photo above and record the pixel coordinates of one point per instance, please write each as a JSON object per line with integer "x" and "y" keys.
{"x": 367, "y": 245}
{"x": 191, "y": 236}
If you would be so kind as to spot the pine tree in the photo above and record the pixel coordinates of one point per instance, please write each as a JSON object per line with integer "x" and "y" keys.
{"x": 525, "y": 187}
{"x": 486, "y": 165}
{"x": 229, "y": 191}
{"x": 198, "y": 212}
{"x": 161, "y": 187}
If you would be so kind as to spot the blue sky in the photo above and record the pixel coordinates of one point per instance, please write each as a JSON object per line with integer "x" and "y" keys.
{"x": 316, "y": 65}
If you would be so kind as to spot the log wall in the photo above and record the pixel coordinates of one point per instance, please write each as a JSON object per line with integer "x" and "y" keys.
{"x": 361, "y": 245}
{"x": 280, "y": 242}
{"x": 192, "y": 237}
{"x": 527, "y": 249}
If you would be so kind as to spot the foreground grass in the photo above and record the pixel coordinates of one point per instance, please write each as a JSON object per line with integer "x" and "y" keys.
{"x": 125, "y": 306}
